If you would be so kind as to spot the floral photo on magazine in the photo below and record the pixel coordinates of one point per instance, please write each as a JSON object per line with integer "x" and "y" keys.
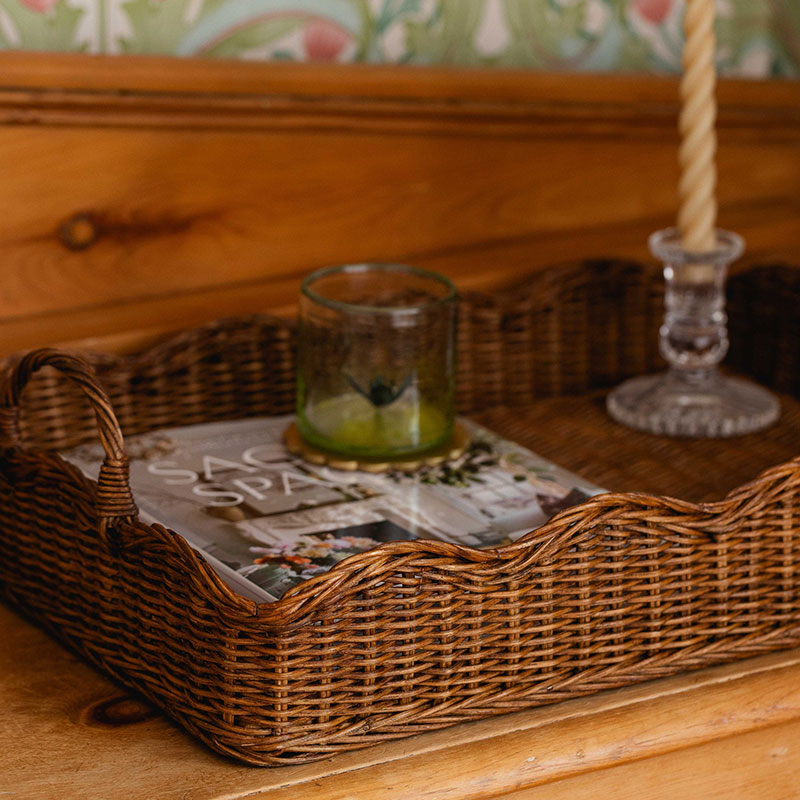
{"x": 279, "y": 566}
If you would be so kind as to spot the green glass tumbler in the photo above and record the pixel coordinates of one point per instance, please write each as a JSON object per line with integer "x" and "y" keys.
{"x": 376, "y": 360}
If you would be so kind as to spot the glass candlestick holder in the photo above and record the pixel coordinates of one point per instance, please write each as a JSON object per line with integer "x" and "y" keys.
{"x": 692, "y": 398}
{"x": 376, "y": 361}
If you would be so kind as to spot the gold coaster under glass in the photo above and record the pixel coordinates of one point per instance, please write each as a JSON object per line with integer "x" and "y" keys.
{"x": 452, "y": 449}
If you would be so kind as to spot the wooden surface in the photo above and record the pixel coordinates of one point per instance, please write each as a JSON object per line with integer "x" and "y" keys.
{"x": 67, "y": 733}
{"x": 731, "y": 731}
{"x": 141, "y": 195}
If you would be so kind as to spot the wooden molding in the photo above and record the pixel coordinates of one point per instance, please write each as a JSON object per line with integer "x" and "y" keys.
{"x": 165, "y": 92}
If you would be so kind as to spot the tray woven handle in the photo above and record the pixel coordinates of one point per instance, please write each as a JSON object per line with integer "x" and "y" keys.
{"x": 114, "y": 496}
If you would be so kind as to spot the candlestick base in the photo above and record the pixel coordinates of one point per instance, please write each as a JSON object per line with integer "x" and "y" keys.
{"x": 715, "y": 406}
{"x": 693, "y": 398}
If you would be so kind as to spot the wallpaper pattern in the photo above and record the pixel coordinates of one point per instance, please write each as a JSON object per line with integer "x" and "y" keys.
{"x": 756, "y": 38}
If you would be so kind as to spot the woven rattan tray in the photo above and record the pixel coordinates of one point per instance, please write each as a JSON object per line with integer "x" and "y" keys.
{"x": 410, "y": 636}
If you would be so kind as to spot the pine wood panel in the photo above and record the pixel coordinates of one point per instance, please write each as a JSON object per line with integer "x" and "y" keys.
{"x": 69, "y": 733}
{"x": 755, "y": 766}
{"x": 209, "y": 188}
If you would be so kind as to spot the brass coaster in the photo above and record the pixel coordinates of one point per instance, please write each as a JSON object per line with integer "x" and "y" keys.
{"x": 450, "y": 450}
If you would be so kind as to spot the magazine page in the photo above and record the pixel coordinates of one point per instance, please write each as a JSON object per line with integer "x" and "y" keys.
{"x": 266, "y": 520}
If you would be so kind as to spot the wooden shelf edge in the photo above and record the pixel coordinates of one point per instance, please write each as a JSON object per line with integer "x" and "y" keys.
{"x": 167, "y": 74}
{"x": 552, "y": 743}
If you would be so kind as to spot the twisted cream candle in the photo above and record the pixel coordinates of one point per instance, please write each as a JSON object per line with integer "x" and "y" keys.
{"x": 692, "y": 398}
{"x": 697, "y": 189}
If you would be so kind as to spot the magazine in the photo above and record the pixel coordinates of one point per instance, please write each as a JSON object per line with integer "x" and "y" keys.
{"x": 266, "y": 520}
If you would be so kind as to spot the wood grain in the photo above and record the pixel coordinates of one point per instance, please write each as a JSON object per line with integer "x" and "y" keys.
{"x": 754, "y": 766}
{"x": 57, "y": 744}
{"x": 211, "y": 188}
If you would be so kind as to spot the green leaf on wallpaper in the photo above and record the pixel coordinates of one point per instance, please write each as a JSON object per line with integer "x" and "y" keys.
{"x": 746, "y": 30}
{"x": 633, "y": 53}
{"x": 38, "y": 30}
{"x": 448, "y": 36}
{"x": 785, "y": 30}
{"x": 391, "y": 11}
{"x": 549, "y": 35}
{"x": 208, "y": 6}
{"x": 525, "y": 27}
{"x": 255, "y": 35}
{"x": 63, "y": 27}
{"x": 374, "y": 24}
{"x": 365, "y": 35}
{"x": 570, "y": 16}
{"x": 156, "y": 25}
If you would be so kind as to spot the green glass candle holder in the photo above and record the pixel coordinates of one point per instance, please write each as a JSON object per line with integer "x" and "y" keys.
{"x": 376, "y": 360}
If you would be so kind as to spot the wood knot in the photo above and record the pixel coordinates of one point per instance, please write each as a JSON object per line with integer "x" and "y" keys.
{"x": 115, "y": 712}
{"x": 79, "y": 231}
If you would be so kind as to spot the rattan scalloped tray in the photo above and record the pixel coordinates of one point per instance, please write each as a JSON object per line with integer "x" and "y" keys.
{"x": 406, "y": 638}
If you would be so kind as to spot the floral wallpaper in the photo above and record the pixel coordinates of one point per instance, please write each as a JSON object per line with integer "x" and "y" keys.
{"x": 756, "y": 38}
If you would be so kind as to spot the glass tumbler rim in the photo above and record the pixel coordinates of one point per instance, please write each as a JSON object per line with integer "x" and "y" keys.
{"x": 666, "y": 245}
{"x": 367, "y": 266}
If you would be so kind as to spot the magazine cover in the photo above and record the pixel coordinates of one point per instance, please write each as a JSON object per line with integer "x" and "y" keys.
{"x": 266, "y": 520}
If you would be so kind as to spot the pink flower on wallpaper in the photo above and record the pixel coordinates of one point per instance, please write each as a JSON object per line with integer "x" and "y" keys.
{"x": 655, "y": 11}
{"x": 324, "y": 41}
{"x": 42, "y": 6}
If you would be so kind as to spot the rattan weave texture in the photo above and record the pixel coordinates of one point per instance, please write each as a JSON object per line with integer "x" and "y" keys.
{"x": 413, "y": 635}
